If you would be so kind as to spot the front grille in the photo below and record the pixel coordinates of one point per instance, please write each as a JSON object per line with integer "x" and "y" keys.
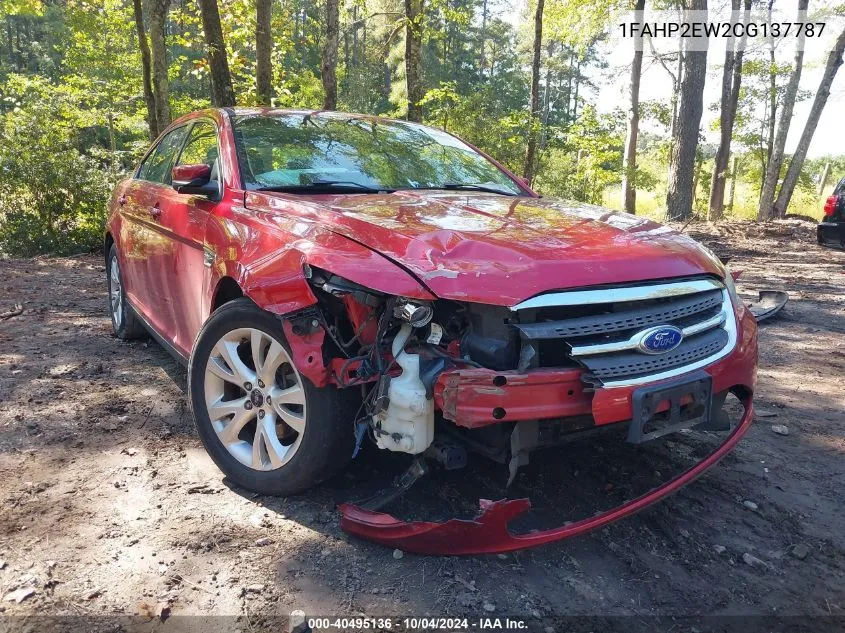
{"x": 601, "y": 329}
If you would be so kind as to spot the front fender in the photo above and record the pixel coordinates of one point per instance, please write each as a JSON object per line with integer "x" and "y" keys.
{"x": 269, "y": 268}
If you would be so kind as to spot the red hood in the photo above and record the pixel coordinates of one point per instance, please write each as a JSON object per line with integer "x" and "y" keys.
{"x": 494, "y": 249}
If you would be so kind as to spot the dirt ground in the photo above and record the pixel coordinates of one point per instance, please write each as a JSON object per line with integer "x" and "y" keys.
{"x": 110, "y": 506}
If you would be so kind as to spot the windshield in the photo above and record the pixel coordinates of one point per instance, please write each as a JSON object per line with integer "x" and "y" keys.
{"x": 304, "y": 151}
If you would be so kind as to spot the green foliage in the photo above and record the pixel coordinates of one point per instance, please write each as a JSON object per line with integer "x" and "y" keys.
{"x": 72, "y": 111}
{"x": 52, "y": 194}
{"x": 587, "y": 159}
{"x": 21, "y": 7}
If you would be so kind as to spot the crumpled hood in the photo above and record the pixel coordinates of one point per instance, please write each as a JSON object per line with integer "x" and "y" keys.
{"x": 501, "y": 250}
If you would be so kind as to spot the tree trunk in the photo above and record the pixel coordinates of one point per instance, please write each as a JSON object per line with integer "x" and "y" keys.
{"x": 263, "y": 51}
{"x": 731, "y": 80}
{"x": 568, "y": 91}
{"x": 328, "y": 67}
{"x": 679, "y": 197}
{"x": 698, "y": 160}
{"x": 534, "y": 106}
{"x": 10, "y": 44}
{"x": 547, "y": 99}
{"x": 143, "y": 45}
{"x": 834, "y": 61}
{"x": 676, "y": 88}
{"x": 413, "y": 58}
{"x": 767, "y": 195}
{"x": 158, "y": 10}
{"x": 629, "y": 159}
{"x": 483, "y": 37}
{"x": 773, "y": 98}
{"x": 222, "y": 93}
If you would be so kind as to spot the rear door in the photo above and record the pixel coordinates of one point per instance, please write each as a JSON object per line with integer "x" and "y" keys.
{"x": 143, "y": 250}
{"x": 183, "y": 220}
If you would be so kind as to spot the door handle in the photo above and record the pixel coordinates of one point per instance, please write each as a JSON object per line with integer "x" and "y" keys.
{"x": 155, "y": 211}
{"x": 122, "y": 199}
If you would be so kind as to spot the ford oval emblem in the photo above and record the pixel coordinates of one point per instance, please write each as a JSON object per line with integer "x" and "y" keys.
{"x": 661, "y": 339}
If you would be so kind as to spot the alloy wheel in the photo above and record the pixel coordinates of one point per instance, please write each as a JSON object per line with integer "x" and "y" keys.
{"x": 255, "y": 398}
{"x": 115, "y": 294}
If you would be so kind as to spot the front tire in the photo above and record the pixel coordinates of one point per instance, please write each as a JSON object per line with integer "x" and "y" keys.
{"x": 267, "y": 427}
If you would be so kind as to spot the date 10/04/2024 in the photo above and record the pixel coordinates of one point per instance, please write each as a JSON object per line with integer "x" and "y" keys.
{"x": 419, "y": 624}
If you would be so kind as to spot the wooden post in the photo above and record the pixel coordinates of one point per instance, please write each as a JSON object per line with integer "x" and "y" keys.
{"x": 823, "y": 181}
{"x": 730, "y": 203}
{"x": 696, "y": 178}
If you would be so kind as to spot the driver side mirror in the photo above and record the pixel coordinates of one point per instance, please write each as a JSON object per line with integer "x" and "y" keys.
{"x": 194, "y": 180}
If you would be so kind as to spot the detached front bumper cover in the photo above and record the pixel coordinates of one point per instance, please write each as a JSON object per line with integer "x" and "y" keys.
{"x": 489, "y": 532}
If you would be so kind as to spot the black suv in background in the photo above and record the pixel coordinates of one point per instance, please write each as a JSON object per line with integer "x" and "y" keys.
{"x": 831, "y": 230}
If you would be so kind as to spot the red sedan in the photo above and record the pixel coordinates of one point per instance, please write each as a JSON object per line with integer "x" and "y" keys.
{"x": 332, "y": 279}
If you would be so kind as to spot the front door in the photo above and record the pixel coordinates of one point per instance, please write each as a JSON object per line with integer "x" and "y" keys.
{"x": 144, "y": 251}
{"x": 183, "y": 224}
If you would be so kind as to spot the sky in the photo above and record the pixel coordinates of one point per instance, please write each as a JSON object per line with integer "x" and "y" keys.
{"x": 656, "y": 84}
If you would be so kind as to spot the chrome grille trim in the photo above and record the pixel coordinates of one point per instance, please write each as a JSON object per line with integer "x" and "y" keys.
{"x": 638, "y": 364}
{"x": 730, "y": 328}
{"x": 631, "y": 343}
{"x": 618, "y": 295}
{"x": 725, "y": 320}
{"x": 627, "y": 319}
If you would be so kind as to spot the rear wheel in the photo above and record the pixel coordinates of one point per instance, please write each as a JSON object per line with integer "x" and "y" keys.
{"x": 125, "y": 324}
{"x": 267, "y": 427}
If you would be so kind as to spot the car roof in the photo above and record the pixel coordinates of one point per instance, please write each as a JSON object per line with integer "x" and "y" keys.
{"x": 265, "y": 111}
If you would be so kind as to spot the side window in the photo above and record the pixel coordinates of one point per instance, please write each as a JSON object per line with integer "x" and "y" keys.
{"x": 201, "y": 148}
{"x": 840, "y": 188}
{"x": 156, "y": 168}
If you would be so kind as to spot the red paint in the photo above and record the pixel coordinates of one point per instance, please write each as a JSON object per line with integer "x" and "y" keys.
{"x": 364, "y": 319}
{"x": 468, "y": 397}
{"x": 188, "y": 173}
{"x": 489, "y": 532}
{"x": 308, "y": 351}
{"x": 501, "y": 250}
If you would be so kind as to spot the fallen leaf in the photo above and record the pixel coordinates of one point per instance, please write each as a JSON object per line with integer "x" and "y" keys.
{"x": 160, "y": 610}
{"x": 19, "y": 595}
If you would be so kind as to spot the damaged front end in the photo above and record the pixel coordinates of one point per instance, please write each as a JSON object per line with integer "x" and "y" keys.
{"x": 489, "y": 532}
{"x": 441, "y": 377}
